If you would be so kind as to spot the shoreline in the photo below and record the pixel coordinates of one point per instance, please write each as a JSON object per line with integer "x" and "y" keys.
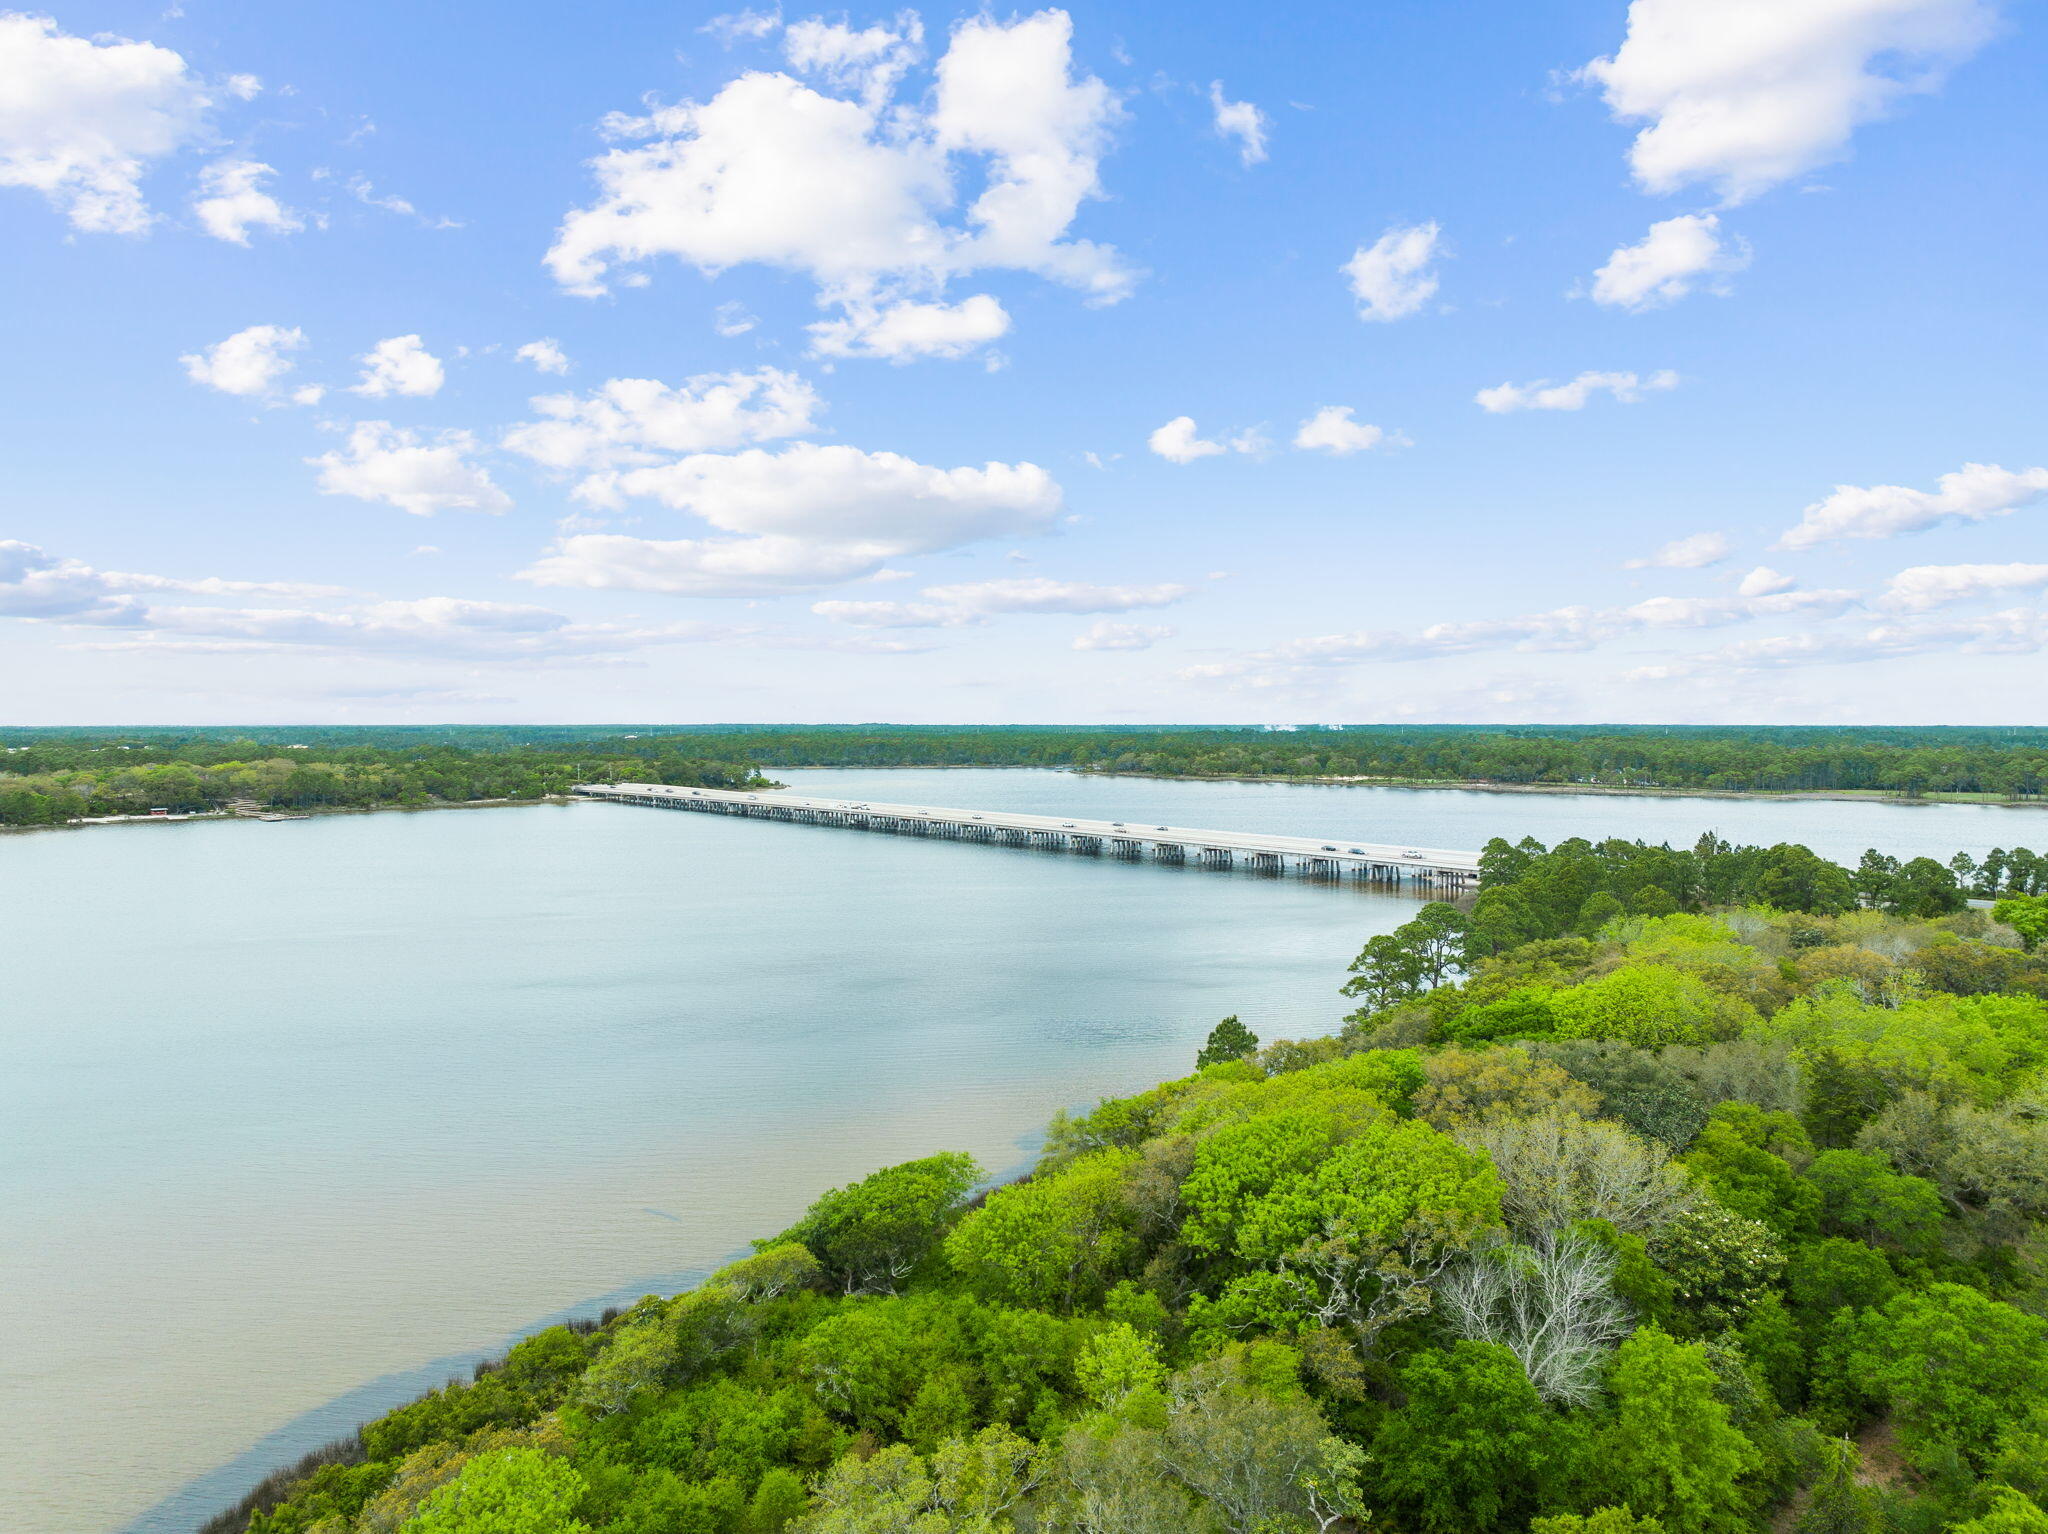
{"x": 1468, "y": 785}
{"x": 210, "y": 816}
{"x": 1642, "y": 791}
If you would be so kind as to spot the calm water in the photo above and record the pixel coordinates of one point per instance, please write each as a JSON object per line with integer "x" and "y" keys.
{"x": 297, "y": 1119}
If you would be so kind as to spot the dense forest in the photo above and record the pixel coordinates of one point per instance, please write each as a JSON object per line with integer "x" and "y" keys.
{"x": 2007, "y": 764}
{"x": 52, "y": 781}
{"x": 1659, "y": 1192}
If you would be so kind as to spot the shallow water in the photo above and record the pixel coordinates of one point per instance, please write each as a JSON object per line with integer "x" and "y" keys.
{"x": 297, "y": 1119}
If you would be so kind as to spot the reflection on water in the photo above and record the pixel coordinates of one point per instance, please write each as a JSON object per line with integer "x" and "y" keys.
{"x": 286, "y": 1110}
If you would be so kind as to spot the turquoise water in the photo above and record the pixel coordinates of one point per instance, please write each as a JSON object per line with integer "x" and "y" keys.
{"x": 298, "y": 1119}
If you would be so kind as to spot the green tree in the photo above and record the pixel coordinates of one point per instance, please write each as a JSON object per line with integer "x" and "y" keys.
{"x": 1466, "y": 1450}
{"x": 869, "y": 1235}
{"x": 1840, "y": 1504}
{"x": 2010, "y": 1513}
{"x": 1924, "y": 888}
{"x": 1669, "y": 1449}
{"x": 1792, "y": 878}
{"x": 1117, "y": 1362}
{"x": 1648, "y": 1005}
{"x": 1356, "y": 1238}
{"x": 1861, "y": 1196}
{"x": 1720, "y": 1264}
{"x": 1608, "y": 1520}
{"x": 2025, "y": 914}
{"x": 1057, "y": 1241}
{"x": 1947, "y": 1362}
{"x": 1228, "y": 1040}
{"x": 509, "y": 1491}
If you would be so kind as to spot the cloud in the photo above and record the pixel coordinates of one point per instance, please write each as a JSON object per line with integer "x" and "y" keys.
{"x": 895, "y": 615}
{"x": 39, "y": 587}
{"x": 870, "y": 62}
{"x": 1746, "y": 96}
{"x": 83, "y": 119}
{"x": 740, "y": 26}
{"x": 732, "y": 320}
{"x": 1763, "y": 581}
{"x": 975, "y": 602}
{"x": 1038, "y": 594}
{"x": 1331, "y": 430}
{"x": 419, "y": 475}
{"x": 1974, "y": 493}
{"x": 37, "y": 584}
{"x": 1121, "y": 636}
{"x": 364, "y": 192}
{"x": 1559, "y": 629}
{"x": 804, "y": 517}
{"x": 1239, "y": 120}
{"x": 1391, "y": 278}
{"x": 400, "y": 365}
{"x": 231, "y": 202}
{"x": 849, "y": 191}
{"x": 906, "y": 330}
{"x": 249, "y": 362}
{"x": 545, "y": 355}
{"x": 2016, "y": 631}
{"x": 1672, "y": 257}
{"x": 1694, "y": 553}
{"x": 1929, "y": 586}
{"x": 1627, "y": 389}
{"x": 1177, "y": 442}
{"x": 628, "y": 422}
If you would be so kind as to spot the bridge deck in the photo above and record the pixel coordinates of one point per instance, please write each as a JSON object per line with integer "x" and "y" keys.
{"x": 1327, "y": 856}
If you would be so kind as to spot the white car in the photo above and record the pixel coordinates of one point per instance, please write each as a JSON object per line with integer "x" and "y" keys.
{"x": 1413, "y": 854}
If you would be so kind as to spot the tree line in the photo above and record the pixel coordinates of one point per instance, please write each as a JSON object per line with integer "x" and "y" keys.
{"x": 56, "y": 781}
{"x": 1721, "y": 1213}
{"x": 2009, "y": 763}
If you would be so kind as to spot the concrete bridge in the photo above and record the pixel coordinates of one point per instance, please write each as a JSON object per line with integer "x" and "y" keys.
{"x": 1326, "y": 858}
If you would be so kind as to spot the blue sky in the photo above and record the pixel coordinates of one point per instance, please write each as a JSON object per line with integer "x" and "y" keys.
{"x": 1676, "y": 362}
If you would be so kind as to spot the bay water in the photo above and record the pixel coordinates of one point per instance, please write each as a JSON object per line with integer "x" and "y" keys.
{"x": 300, "y": 1119}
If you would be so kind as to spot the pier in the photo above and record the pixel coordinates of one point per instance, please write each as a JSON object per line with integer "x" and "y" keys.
{"x": 1333, "y": 857}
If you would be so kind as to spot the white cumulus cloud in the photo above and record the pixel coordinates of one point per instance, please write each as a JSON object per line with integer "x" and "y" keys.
{"x": 870, "y": 62}
{"x": 1178, "y": 441}
{"x": 545, "y": 355}
{"x": 1763, "y": 581}
{"x": 249, "y": 362}
{"x": 1974, "y": 493}
{"x": 852, "y": 190}
{"x": 1924, "y": 587}
{"x": 803, "y": 517}
{"x": 1669, "y": 262}
{"x": 629, "y": 422}
{"x": 1745, "y": 94}
{"x": 1239, "y": 120}
{"x": 1542, "y": 394}
{"x": 400, "y": 365}
{"x": 906, "y": 330}
{"x": 1331, "y": 430}
{"x": 417, "y": 474}
{"x": 81, "y": 120}
{"x": 231, "y": 201}
{"x": 1392, "y": 277}
{"x": 1693, "y": 553}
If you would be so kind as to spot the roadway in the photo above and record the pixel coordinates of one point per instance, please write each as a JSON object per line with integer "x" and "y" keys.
{"x": 1315, "y": 854}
